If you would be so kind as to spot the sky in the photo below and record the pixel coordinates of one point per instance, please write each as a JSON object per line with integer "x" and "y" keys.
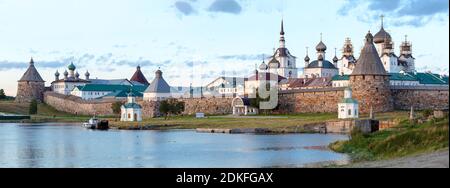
{"x": 196, "y": 41}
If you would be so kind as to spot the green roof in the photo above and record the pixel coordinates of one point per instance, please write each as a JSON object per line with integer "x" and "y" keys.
{"x": 349, "y": 101}
{"x": 422, "y": 78}
{"x": 132, "y": 105}
{"x": 402, "y": 77}
{"x": 340, "y": 77}
{"x": 112, "y": 88}
{"x": 124, "y": 93}
{"x": 429, "y": 78}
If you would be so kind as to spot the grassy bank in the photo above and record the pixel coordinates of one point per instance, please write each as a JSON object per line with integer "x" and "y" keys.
{"x": 275, "y": 123}
{"x": 45, "y": 113}
{"x": 406, "y": 139}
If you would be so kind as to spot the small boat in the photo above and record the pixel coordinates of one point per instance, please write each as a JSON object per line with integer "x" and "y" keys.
{"x": 91, "y": 124}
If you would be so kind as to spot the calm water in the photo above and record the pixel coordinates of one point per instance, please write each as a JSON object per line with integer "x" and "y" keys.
{"x": 70, "y": 145}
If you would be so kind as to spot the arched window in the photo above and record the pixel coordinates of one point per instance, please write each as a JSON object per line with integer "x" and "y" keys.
{"x": 349, "y": 112}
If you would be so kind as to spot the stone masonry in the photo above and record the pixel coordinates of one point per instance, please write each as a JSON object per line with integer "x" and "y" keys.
{"x": 372, "y": 91}
{"x": 434, "y": 98}
{"x": 27, "y": 91}
{"x": 310, "y": 100}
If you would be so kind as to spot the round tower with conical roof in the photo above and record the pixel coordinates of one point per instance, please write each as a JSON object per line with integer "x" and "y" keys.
{"x": 31, "y": 86}
{"x": 370, "y": 81}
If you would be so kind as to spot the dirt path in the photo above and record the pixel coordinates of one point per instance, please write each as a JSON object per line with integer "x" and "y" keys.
{"x": 438, "y": 159}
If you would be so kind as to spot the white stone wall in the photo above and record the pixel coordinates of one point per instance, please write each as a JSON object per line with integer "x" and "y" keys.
{"x": 65, "y": 88}
{"x": 130, "y": 114}
{"x": 156, "y": 96}
{"x": 348, "y": 110}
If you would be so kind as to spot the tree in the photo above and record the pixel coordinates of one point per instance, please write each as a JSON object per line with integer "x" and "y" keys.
{"x": 33, "y": 107}
{"x": 2, "y": 94}
{"x": 171, "y": 107}
{"x": 116, "y": 107}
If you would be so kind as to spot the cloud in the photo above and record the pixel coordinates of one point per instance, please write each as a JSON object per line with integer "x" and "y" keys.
{"x": 244, "y": 57}
{"x": 414, "y": 13}
{"x": 184, "y": 7}
{"x": 225, "y": 6}
{"x": 7, "y": 65}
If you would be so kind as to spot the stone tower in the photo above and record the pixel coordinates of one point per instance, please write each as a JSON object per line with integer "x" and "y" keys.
{"x": 30, "y": 86}
{"x": 370, "y": 82}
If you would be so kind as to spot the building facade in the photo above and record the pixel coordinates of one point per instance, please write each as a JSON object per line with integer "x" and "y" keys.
{"x": 70, "y": 81}
{"x": 158, "y": 90}
{"x": 320, "y": 67}
{"x": 131, "y": 111}
{"x": 348, "y": 107}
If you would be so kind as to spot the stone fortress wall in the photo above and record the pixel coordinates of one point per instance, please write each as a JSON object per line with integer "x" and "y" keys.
{"x": 75, "y": 105}
{"x": 421, "y": 98}
{"x": 309, "y": 100}
{"x": 323, "y": 100}
{"x": 27, "y": 91}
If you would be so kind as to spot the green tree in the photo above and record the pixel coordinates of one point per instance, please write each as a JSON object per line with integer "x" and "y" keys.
{"x": 171, "y": 107}
{"x": 116, "y": 107}
{"x": 33, "y": 107}
{"x": 2, "y": 94}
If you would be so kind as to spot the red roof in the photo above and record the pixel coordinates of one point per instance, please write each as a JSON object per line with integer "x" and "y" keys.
{"x": 139, "y": 77}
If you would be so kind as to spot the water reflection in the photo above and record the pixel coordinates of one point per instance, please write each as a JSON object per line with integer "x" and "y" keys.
{"x": 65, "y": 145}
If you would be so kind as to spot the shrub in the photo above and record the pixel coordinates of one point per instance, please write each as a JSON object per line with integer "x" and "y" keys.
{"x": 116, "y": 107}
{"x": 2, "y": 94}
{"x": 33, "y": 107}
{"x": 171, "y": 107}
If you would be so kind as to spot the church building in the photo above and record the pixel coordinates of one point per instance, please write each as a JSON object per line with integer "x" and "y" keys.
{"x": 320, "y": 67}
{"x": 282, "y": 62}
{"x": 131, "y": 111}
{"x": 70, "y": 81}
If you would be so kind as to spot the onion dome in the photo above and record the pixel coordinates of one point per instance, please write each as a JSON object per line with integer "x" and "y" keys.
{"x": 382, "y": 36}
{"x": 66, "y": 73}
{"x": 307, "y": 58}
{"x": 263, "y": 66}
{"x": 71, "y": 67}
{"x": 77, "y": 75}
{"x": 87, "y": 74}
{"x": 320, "y": 58}
{"x": 335, "y": 59}
{"x": 369, "y": 62}
{"x": 56, "y": 73}
{"x": 321, "y": 47}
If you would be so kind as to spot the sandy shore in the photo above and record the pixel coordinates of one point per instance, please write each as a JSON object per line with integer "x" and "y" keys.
{"x": 438, "y": 159}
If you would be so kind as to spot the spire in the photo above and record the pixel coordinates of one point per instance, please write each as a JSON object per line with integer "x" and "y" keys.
{"x": 31, "y": 61}
{"x": 382, "y": 21}
{"x": 282, "y": 40}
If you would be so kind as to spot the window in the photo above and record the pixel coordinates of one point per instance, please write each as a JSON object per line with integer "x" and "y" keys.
{"x": 129, "y": 116}
{"x": 349, "y": 112}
